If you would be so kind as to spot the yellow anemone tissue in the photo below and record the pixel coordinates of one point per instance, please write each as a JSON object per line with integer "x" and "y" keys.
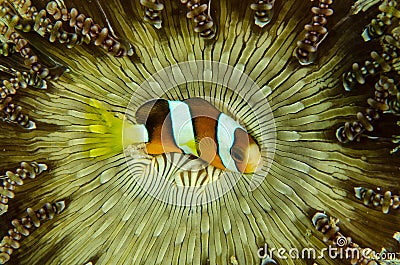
{"x": 314, "y": 83}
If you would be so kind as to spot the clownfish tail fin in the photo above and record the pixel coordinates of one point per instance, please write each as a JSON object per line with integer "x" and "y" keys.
{"x": 111, "y": 133}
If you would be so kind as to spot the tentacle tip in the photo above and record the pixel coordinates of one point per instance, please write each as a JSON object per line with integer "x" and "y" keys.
{"x": 131, "y": 52}
{"x": 157, "y": 25}
{"x": 262, "y": 23}
{"x": 31, "y": 125}
{"x": 318, "y": 216}
{"x": 43, "y": 85}
{"x": 3, "y": 209}
{"x": 340, "y": 135}
{"x": 304, "y": 59}
{"x": 4, "y": 257}
{"x": 268, "y": 261}
{"x": 209, "y": 36}
{"x": 42, "y": 167}
{"x": 358, "y": 192}
{"x": 365, "y": 35}
{"x": 396, "y": 236}
{"x": 60, "y": 206}
{"x": 394, "y": 150}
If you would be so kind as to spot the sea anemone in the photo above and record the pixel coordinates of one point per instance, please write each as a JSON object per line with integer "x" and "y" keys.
{"x": 313, "y": 82}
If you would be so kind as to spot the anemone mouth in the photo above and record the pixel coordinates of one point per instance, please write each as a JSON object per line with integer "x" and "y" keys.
{"x": 231, "y": 91}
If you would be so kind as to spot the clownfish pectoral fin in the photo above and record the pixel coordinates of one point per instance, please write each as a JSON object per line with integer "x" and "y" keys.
{"x": 191, "y": 147}
{"x": 208, "y": 151}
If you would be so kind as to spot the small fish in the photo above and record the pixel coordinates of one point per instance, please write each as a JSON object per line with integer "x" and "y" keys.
{"x": 196, "y": 127}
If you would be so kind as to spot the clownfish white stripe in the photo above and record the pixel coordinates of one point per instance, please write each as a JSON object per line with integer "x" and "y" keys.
{"x": 182, "y": 127}
{"x": 226, "y": 128}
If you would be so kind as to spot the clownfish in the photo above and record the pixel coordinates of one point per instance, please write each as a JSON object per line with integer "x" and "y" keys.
{"x": 197, "y": 128}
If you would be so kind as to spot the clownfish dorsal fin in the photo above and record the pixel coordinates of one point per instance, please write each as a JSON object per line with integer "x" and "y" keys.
{"x": 201, "y": 103}
{"x": 201, "y": 107}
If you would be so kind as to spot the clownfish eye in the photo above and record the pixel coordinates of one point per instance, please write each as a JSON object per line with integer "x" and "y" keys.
{"x": 237, "y": 154}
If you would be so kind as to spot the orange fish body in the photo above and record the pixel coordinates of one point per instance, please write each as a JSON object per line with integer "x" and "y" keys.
{"x": 196, "y": 127}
